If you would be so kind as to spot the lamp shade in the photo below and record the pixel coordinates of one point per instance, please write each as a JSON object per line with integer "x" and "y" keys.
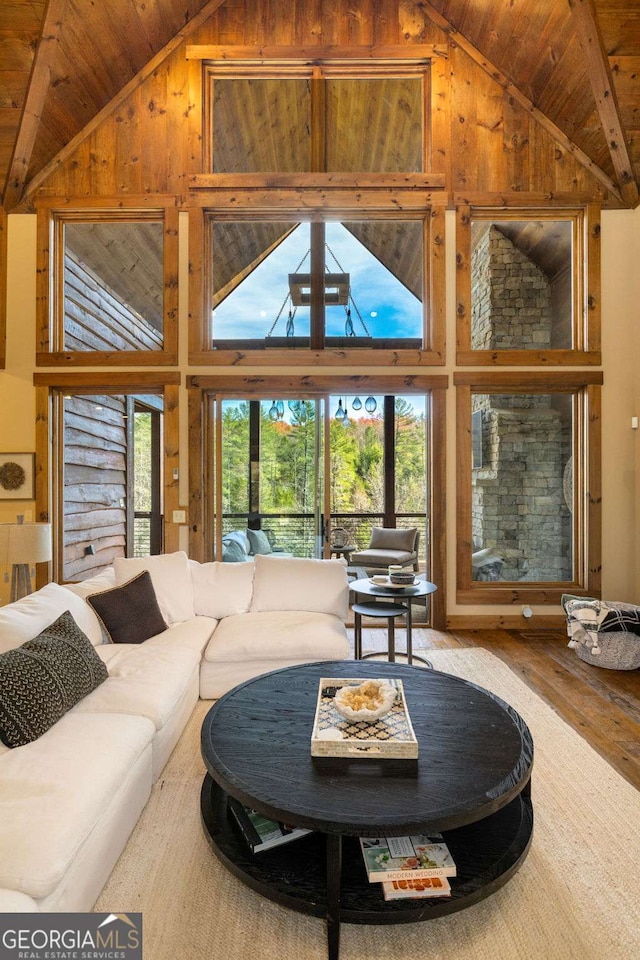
{"x": 25, "y": 543}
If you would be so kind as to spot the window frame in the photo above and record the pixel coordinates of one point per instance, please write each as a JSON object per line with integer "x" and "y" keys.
{"x": 51, "y": 387}
{"x": 203, "y": 389}
{"x": 202, "y": 351}
{"x": 586, "y": 327}
{"x": 317, "y": 73}
{"x": 52, "y": 218}
{"x": 585, "y": 385}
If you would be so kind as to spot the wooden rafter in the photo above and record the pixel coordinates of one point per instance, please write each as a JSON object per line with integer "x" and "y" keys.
{"x": 456, "y": 38}
{"x": 597, "y": 64}
{"x": 194, "y": 24}
{"x": 34, "y": 101}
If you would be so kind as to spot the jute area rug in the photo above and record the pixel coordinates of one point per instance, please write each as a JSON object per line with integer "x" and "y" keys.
{"x": 576, "y": 897}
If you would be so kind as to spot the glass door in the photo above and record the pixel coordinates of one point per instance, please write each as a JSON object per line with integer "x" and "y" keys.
{"x": 377, "y": 468}
{"x": 269, "y": 478}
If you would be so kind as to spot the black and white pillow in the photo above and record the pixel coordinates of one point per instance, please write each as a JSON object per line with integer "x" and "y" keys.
{"x": 41, "y": 680}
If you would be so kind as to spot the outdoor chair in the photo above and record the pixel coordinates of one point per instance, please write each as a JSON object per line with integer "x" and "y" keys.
{"x": 389, "y": 545}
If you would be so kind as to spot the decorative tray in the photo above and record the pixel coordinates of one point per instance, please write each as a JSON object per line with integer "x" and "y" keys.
{"x": 389, "y": 737}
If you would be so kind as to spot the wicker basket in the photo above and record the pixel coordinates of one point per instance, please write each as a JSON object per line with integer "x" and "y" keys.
{"x": 619, "y": 650}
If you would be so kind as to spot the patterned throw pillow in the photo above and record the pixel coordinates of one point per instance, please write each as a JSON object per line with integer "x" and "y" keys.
{"x": 130, "y": 613}
{"x": 44, "y": 678}
{"x": 621, "y": 617}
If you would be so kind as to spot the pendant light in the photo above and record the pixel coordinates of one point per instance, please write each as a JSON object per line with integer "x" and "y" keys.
{"x": 357, "y": 404}
{"x": 273, "y": 411}
{"x": 340, "y": 413}
{"x": 370, "y": 404}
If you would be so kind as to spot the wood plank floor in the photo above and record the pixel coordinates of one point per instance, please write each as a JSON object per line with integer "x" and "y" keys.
{"x": 603, "y": 706}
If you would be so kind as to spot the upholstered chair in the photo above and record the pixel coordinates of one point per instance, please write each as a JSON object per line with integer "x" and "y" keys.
{"x": 389, "y": 545}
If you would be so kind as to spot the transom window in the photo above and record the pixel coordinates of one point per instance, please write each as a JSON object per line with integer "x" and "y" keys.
{"x": 319, "y": 118}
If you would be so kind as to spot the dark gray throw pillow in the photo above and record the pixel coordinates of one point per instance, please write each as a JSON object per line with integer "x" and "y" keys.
{"x": 44, "y": 678}
{"x": 259, "y": 542}
{"x": 129, "y": 613}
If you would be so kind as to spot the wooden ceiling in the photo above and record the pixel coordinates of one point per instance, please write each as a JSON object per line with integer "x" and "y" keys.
{"x": 575, "y": 62}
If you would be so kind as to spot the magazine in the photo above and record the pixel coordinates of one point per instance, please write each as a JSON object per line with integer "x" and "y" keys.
{"x": 259, "y": 832}
{"x": 410, "y": 888}
{"x": 396, "y": 858}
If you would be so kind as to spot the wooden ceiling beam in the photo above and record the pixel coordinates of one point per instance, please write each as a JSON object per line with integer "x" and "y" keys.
{"x": 34, "y": 102}
{"x": 194, "y": 24}
{"x": 457, "y": 39}
{"x": 396, "y": 53}
{"x": 597, "y": 64}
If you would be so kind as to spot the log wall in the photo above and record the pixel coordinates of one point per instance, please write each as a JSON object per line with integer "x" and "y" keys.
{"x": 95, "y": 483}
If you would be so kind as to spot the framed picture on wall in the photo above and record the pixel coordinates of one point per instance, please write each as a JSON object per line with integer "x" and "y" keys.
{"x": 17, "y": 476}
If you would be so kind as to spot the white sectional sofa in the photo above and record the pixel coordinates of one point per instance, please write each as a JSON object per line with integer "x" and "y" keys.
{"x": 70, "y": 798}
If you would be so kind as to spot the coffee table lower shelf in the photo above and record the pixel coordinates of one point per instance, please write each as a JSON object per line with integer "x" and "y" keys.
{"x": 487, "y": 854}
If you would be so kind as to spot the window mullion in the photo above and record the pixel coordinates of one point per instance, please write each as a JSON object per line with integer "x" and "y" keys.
{"x": 316, "y": 310}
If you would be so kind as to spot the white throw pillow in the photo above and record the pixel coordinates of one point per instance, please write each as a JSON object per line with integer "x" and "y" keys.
{"x": 171, "y": 580}
{"x": 26, "y": 618}
{"x": 317, "y": 586}
{"x": 221, "y": 589}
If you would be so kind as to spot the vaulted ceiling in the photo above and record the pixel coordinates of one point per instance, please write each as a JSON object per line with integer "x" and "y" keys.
{"x": 574, "y": 64}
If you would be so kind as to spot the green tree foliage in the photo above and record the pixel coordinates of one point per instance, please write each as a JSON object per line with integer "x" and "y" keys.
{"x": 235, "y": 458}
{"x": 287, "y": 479}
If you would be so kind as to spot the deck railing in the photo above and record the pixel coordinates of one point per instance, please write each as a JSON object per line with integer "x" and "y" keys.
{"x": 295, "y": 533}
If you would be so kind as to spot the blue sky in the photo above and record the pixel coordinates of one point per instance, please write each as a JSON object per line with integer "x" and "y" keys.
{"x": 387, "y": 307}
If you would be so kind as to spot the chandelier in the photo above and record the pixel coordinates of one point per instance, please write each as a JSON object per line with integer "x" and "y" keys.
{"x": 337, "y": 293}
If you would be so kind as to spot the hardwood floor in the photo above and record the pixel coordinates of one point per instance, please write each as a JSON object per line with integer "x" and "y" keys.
{"x": 603, "y": 706}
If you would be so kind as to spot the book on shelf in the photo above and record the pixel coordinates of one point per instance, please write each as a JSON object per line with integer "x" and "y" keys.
{"x": 259, "y": 832}
{"x": 410, "y": 888}
{"x": 396, "y": 858}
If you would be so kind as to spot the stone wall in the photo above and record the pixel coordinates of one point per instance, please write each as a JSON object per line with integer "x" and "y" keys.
{"x": 510, "y": 296}
{"x": 518, "y": 504}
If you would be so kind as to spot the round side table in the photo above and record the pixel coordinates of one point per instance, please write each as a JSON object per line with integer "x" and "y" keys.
{"x": 388, "y": 603}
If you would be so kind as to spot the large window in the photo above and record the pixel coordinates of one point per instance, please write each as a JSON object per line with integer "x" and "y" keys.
{"x": 338, "y": 256}
{"x": 338, "y": 284}
{"x": 296, "y": 124}
{"x": 299, "y": 463}
{"x": 114, "y": 289}
{"x": 527, "y": 512}
{"x": 528, "y": 286}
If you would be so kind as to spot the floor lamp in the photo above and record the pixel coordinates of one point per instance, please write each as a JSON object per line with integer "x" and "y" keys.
{"x": 22, "y": 544}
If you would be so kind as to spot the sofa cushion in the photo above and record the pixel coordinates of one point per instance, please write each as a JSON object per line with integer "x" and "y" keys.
{"x": 278, "y": 635}
{"x": 393, "y": 538}
{"x": 143, "y": 681}
{"x": 41, "y": 680}
{"x": 54, "y": 792}
{"x": 171, "y": 581}
{"x": 259, "y": 542}
{"x": 101, "y": 581}
{"x": 130, "y": 613}
{"x": 381, "y": 558}
{"x": 316, "y": 586}
{"x": 221, "y": 589}
{"x": 24, "y": 619}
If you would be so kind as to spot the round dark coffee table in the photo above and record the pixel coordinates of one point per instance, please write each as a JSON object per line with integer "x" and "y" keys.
{"x": 471, "y": 783}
